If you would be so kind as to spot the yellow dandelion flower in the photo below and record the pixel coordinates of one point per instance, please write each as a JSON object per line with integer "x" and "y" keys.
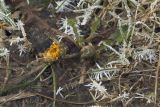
{"x": 53, "y": 52}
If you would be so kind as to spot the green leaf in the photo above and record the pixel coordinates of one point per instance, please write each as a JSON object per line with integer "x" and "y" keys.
{"x": 120, "y": 37}
{"x": 81, "y": 41}
{"x": 95, "y": 25}
{"x": 72, "y": 22}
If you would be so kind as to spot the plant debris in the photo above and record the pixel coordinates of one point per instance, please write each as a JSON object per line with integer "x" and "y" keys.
{"x": 74, "y": 53}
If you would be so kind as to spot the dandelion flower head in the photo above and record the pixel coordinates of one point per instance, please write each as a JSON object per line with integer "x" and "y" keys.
{"x": 53, "y": 52}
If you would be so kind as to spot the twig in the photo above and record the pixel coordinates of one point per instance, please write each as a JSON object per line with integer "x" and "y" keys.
{"x": 156, "y": 79}
{"x": 54, "y": 85}
{"x": 7, "y": 72}
{"x": 135, "y": 84}
{"x": 65, "y": 101}
{"x": 14, "y": 97}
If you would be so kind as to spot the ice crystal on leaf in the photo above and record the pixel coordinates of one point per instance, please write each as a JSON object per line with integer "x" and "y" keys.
{"x": 66, "y": 27}
{"x": 64, "y": 5}
{"x": 4, "y": 52}
{"x": 22, "y": 49}
{"x": 16, "y": 40}
{"x": 145, "y": 54}
{"x": 107, "y": 72}
{"x": 20, "y": 25}
{"x": 122, "y": 55}
{"x": 5, "y": 14}
{"x": 100, "y": 91}
{"x": 123, "y": 96}
{"x": 87, "y": 12}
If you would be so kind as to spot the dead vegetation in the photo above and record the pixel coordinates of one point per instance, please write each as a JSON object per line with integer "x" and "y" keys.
{"x": 78, "y": 53}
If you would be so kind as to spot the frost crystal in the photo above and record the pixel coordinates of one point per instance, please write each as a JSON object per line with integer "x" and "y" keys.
{"x": 108, "y": 72}
{"x": 22, "y": 49}
{"x": 80, "y": 3}
{"x": 66, "y": 27}
{"x": 16, "y": 40}
{"x": 86, "y": 14}
{"x": 4, "y": 52}
{"x": 98, "y": 88}
{"x": 20, "y": 27}
{"x": 63, "y": 6}
{"x": 123, "y": 96}
{"x": 145, "y": 54}
{"x": 59, "y": 92}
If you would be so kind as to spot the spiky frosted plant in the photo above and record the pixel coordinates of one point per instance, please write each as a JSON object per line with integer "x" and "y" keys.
{"x": 5, "y": 14}
{"x": 87, "y": 12}
{"x": 66, "y": 27}
{"x": 123, "y": 96}
{"x": 16, "y": 40}
{"x": 122, "y": 54}
{"x": 6, "y": 17}
{"x": 4, "y": 52}
{"x": 64, "y": 5}
{"x": 20, "y": 26}
{"x": 85, "y": 17}
{"x": 22, "y": 49}
{"x": 107, "y": 72}
{"x": 144, "y": 54}
{"x": 100, "y": 91}
{"x": 67, "y": 5}
{"x": 81, "y": 3}
{"x": 3, "y": 7}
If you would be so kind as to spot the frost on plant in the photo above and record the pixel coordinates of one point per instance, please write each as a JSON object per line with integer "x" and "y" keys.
{"x": 122, "y": 55}
{"x": 4, "y": 52}
{"x": 64, "y": 5}
{"x": 16, "y": 40}
{"x": 108, "y": 47}
{"x": 58, "y": 92}
{"x": 85, "y": 17}
{"x": 5, "y": 14}
{"x": 145, "y": 54}
{"x": 100, "y": 91}
{"x": 20, "y": 25}
{"x": 66, "y": 27}
{"x": 87, "y": 13}
{"x": 107, "y": 72}
{"x": 124, "y": 96}
{"x": 22, "y": 49}
{"x": 81, "y": 3}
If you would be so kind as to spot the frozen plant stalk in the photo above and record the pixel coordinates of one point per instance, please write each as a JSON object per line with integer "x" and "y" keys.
{"x": 5, "y": 14}
{"x": 87, "y": 12}
{"x": 64, "y": 6}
